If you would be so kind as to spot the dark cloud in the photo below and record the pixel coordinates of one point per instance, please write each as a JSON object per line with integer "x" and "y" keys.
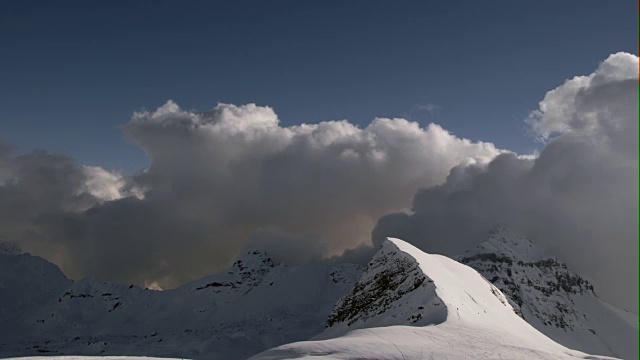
{"x": 37, "y": 188}
{"x": 578, "y": 198}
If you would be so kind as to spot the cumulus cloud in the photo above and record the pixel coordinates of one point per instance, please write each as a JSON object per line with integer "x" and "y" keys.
{"x": 39, "y": 186}
{"x": 582, "y": 104}
{"x": 233, "y": 178}
{"x": 578, "y": 197}
{"x": 106, "y": 185}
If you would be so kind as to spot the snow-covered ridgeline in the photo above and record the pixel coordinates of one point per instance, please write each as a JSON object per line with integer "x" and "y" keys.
{"x": 406, "y": 284}
{"x": 552, "y": 298}
{"x": 253, "y": 306}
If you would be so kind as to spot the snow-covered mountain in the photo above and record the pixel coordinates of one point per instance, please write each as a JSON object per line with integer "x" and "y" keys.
{"x": 408, "y": 304}
{"x": 253, "y": 306}
{"x": 556, "y": 301}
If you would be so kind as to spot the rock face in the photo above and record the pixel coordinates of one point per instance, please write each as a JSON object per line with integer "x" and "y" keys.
{"x": 408, "y": 304}
{"x": 555, "y": 300}
{"x": 254, "y": 305}
{"x": 392, "y": 290}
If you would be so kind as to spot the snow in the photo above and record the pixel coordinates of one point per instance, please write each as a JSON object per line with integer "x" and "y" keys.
{"x": 479, "y": 323}
{"x": 253, "y": 306}
{"x": 506, "y": 242}
{"x": 406, "y": 304}
{"x": 559, "y": 303}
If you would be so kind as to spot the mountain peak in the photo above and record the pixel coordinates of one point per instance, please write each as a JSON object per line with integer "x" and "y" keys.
{"x": 10, "y": 248}
{"x": 408, "y": 304}
{"x": 252, "y": 260}
{"x": 507, "y": 243}
{"x": 523, "y": 272}
{"x": 544, "y": 292}
{"x": 251, "y": 306}
{"x": 404, "y": 286}
{"x": 391, "y": 276}
{"x": 245, "y": 273}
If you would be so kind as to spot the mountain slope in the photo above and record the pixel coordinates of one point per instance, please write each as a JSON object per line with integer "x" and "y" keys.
{"x": 554, "y": 300}
{"x": 253, "y": 306}
{"x": 455, "y": 313}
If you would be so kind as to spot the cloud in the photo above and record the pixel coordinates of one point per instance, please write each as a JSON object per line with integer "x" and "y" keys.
{"x": 420, "y": 110}
{"x": 105, "y": 185}
{"x": 428, "y": 108}
{"x": 38, "y": 187}
{"x": 580, "y": 105}
{"x": 229, "y": 179}
{"x": 578, "y": 197}
{"x": 232, "y": 178}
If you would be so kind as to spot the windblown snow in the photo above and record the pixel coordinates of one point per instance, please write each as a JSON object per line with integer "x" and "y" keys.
{"x": 455, "y": 312}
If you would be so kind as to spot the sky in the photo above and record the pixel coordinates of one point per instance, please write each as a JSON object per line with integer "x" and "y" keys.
{"x": 73, "y": 72}
{"x": 153, "y": 142}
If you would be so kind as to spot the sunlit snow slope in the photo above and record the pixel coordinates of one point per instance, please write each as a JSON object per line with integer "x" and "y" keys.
{"x": 409, "y": 304}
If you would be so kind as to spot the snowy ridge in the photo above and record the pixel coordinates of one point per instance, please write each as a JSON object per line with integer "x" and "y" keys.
{"x": 406, "y": 304}
{"x": 478, "y": 321}
{"x": 254, "y": 305}
{"x": 556, "y": 301}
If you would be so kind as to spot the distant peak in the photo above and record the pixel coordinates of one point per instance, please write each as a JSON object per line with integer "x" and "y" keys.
{"x": 253, "y": 254}
{"x": 10, "y": 248}
{"x": 507, "y": 243}
{"x": 528, "y": 277}
{"x": 253, "y": 259}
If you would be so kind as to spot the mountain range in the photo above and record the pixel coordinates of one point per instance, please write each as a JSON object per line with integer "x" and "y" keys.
{"x": 503, "y": 299}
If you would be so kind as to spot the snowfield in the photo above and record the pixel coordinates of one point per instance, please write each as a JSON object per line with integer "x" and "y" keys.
{"x": 253, "y": 306}
{"x": 479, "y": 323}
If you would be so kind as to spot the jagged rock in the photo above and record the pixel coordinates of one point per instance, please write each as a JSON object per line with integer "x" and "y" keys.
{"x": 441, "y": 309}
{"x": 543, "y": 291}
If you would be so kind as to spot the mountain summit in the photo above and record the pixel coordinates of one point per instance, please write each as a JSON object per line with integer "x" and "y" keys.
{"x": 503, "y": 299}
{"x": 408, "y": 304}
{"x": 552, "y": 298}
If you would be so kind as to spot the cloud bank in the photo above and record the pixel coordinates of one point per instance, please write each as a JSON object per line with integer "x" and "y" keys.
{"x": 578, "y": 198}
{"x": 226, "y": 180}
{"x": 231, "y": 179}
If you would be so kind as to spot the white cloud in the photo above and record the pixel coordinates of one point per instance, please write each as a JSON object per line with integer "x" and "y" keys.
{"x": 103, "y": 184}
{"x": 428, "y": 107}
{"x": 232, "y": 178}
{"x": 563, "y": 108}
{"x": 578, "y": 196}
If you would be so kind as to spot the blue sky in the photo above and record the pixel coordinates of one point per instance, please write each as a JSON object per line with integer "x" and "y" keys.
{"x": 73, "y": 72}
